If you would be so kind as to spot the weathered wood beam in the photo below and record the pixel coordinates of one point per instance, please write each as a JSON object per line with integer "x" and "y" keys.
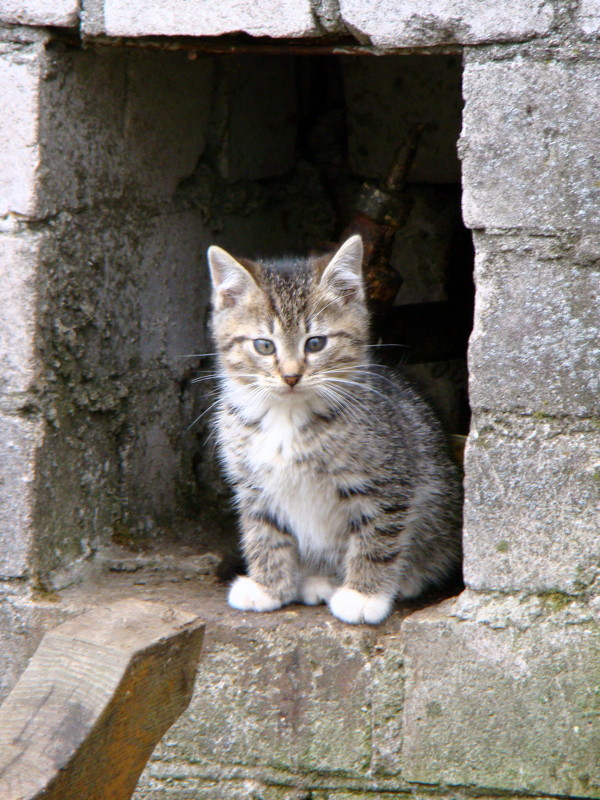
{"x": 95, "y": 699}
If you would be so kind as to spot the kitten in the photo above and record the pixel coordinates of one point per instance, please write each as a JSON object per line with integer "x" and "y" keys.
{"x": 345, "y": 491}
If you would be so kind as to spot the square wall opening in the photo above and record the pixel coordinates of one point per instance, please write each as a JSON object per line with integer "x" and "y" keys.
{"x": 263, "y": 154}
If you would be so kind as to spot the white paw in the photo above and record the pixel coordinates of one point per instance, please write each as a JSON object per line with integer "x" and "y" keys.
{"x": 316, "y": 589}
{"x": 352, "y": 606}
{"x": 248, "y": 595}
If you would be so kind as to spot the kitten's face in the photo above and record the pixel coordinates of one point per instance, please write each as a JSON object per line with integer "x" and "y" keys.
{"x": 290, "y": 329}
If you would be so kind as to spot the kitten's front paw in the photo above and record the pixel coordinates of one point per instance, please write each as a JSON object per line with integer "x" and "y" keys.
{"x": 316, "y": 589}
{"x": 354, "y": 607}
{"x": 248, "y": 595}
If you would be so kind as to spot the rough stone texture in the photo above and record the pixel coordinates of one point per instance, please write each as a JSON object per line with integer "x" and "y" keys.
{"x": 532, "y": 506}
{"x": 588, "y": 17}
{"x": 19, "y": 146}
{"x": 23, "y": 622}
{"x": 254, "y": 116}
{"x": 282, "y": 18}
{"x": 529, "y": 143}
{"x": 163, "y": 148}
{"x": 389, "y": 95}
{"x": 290, "y": 697}
{"x": 18, "y": 266}
{"x": 267, "y": 700}
{"x": 500, "y": 698}
{"x": 422, "y": 23}
{"x": 63, "y": 13}
{"x": 535, "y": 345}
{"x": 21, "y": 439}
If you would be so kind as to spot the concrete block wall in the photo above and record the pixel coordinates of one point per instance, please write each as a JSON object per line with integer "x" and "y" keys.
{"x": 106, "y": 202}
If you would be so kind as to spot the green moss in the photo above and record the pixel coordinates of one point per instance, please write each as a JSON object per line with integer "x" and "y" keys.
{"x": 502, "y": 546}
{"x": 434, "y": 709}
{"x": 556, "y": 601}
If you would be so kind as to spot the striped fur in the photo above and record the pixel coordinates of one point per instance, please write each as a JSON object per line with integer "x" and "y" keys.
{"x": 345, "y": 491}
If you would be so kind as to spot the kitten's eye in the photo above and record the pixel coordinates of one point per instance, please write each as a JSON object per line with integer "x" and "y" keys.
{"x": 264, "y": 346}
{"x": 315, "y": 343}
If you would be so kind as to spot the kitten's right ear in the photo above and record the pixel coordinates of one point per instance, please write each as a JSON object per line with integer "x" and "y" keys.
{"x": 229, "y": 278}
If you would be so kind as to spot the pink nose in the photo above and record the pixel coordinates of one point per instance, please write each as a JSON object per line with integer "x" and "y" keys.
{"x": 291, "y": 380}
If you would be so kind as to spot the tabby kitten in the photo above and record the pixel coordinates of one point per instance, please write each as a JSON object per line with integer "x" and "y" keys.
{"x": 345, "y": 491}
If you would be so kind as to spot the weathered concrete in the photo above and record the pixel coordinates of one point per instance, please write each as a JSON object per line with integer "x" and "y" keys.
{"x": 19, "y": 146}
{"x": 422, "y": 23}
{"x": 389, "y": 95}
{"x": 19, "y": 255}
{"x": 63, "y": 13}
{"x": 21, "y": 439}
{"x": 282, "y": 18}
{"x": 503, "y": 694}
{"x": 294, "y": 693}
{"x": 532, "y": 503}
{"x": 529, "y": 143}
{"x": 588, "y": 17}
{"x": 254, "y": 117}
{"x": 535, "y": 346}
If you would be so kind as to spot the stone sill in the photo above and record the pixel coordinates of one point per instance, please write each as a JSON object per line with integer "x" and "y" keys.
{"x": 483, "y": 690}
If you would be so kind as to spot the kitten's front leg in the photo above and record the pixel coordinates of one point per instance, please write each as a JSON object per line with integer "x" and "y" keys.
{"x": 372, "y": 567}
{"x": 272, "y": 558}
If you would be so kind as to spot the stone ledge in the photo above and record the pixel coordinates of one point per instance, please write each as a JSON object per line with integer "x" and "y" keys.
{"x": 278, "y": 19}
{"x": 293, "y": 693}
{"x": 499, "y": 692}
{"x": 423, "y": 23}
{"x": 62, "y": 13}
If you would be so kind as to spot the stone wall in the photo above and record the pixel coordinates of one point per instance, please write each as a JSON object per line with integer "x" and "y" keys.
{"x": 117, "y": 167}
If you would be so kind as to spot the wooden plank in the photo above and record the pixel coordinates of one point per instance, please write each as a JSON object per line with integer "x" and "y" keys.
{"x": 95, "y": 699}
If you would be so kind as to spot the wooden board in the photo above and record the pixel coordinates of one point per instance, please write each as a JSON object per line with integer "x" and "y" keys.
{"x": 95, "y": 699}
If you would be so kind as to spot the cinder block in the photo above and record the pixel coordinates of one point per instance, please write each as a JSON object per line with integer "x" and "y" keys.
{"x": 256, "y": 117}
{"x": 19, "y": 256}
{"x": 19, "y": 146}
{"x": 63, "y": 13}
{"x": 82, "y": 119}
{"x": 19, "y": 442}
{"x": 535, "y": 346}
{"x": 293, "y": 692}
{"x": 167, "y": 114}
{"x": 588, "y": 17}
{"x": 278, "y": 18}
{"x": 503, "y": 697}
{"x": 23, "y": 623}
{"x": 529, "y": 144}
{"x": 388, "y": 95}
{"x": 532, "y": 503}
{"x": 422, "y": 23}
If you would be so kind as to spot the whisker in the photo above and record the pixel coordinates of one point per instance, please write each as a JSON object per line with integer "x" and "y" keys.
{"x": 197, "y": 355}
{"x": 360, "y": 386}
{"x": 211, "y": 406}
{"x": 343, "y": 402}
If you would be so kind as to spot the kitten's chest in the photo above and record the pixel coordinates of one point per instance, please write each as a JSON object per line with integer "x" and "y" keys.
{"x": 288, "y": 466}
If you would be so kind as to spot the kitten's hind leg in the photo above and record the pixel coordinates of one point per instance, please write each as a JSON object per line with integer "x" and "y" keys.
{"x": 316, "y": 589}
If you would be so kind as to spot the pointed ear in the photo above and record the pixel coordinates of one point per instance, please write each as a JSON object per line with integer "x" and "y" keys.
{"x": 343, "y": 274}
{"x": 229, "y": 278}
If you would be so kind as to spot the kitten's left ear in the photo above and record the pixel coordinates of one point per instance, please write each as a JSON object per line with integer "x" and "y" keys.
{"x": 343, "y": 274}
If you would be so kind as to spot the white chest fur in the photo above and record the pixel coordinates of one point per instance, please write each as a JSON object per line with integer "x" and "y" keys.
{"x": 304, "y": 498}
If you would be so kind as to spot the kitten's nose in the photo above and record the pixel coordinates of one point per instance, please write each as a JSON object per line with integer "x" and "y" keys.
{"x": 291, "y": 380}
